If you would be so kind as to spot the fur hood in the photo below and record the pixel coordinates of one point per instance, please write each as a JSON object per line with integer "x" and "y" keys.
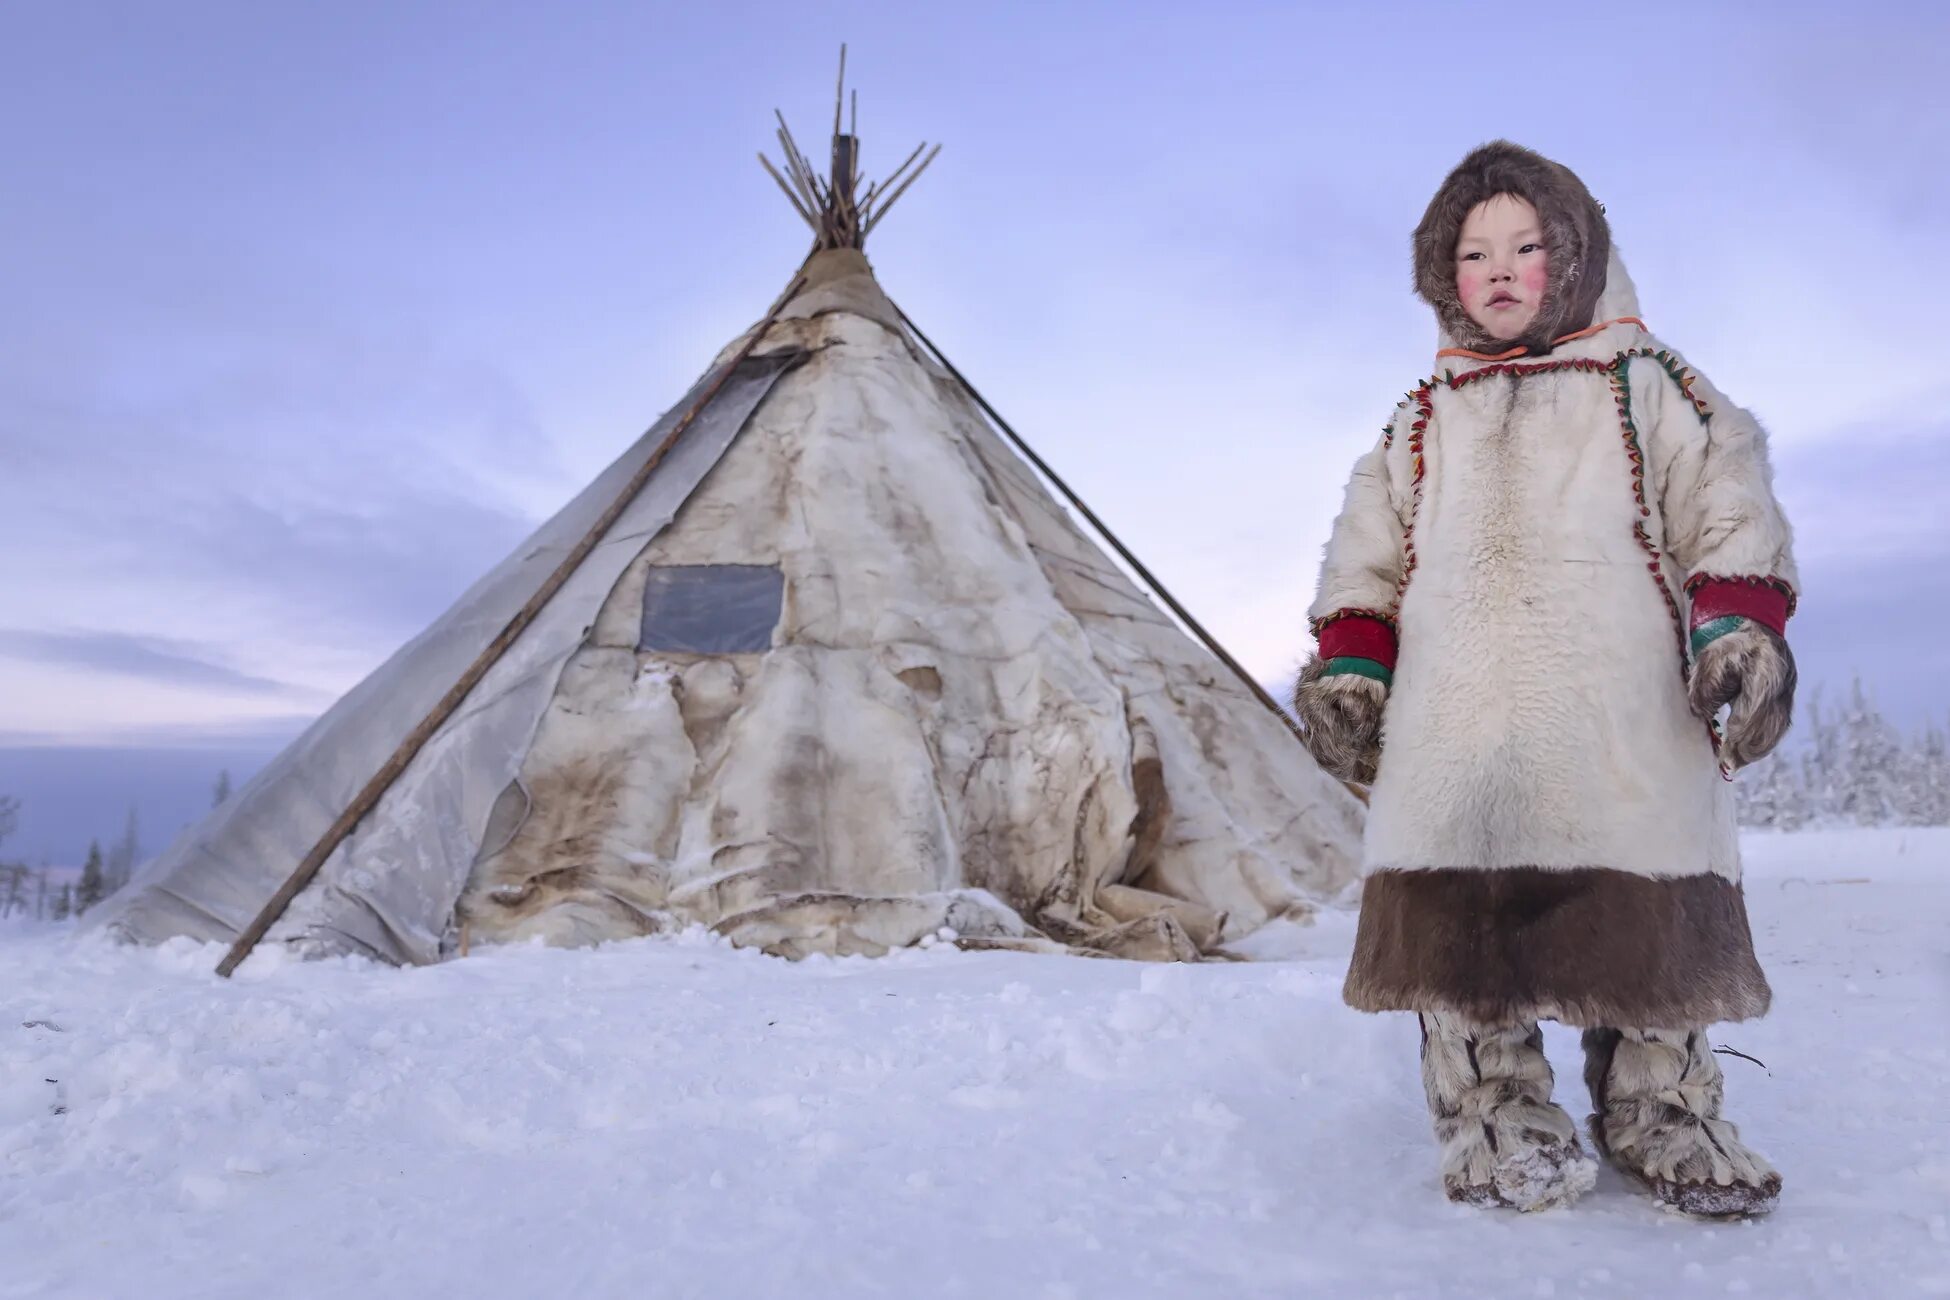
{"x": 1574, "y": 228}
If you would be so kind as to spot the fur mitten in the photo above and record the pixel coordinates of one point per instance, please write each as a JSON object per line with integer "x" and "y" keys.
{"x": 1751, "y": 668}
{"x": 1340, "y": 715}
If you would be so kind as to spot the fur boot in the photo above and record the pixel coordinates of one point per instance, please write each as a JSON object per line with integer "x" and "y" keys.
{"x": 1657, "y": 1094}
{"x": 1503, "y": 1141}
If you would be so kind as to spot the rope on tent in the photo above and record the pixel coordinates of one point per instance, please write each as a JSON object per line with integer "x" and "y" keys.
{"x": 369, "y": 796}
{"x": 1191, "y": 624}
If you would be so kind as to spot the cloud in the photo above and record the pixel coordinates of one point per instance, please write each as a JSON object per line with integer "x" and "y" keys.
{"x": 1874, "y": 550}
{"x": 1869, "y": 495}
{"x": 157, "y": 659}
{"x": 263, "y": 736}
{"x": 304, "y": 499}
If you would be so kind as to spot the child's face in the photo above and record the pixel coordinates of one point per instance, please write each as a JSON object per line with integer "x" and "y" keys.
{"x": 1501, "y": 265}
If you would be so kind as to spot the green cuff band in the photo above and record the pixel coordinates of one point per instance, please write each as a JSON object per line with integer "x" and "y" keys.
{"x": 1707, "y": 633}
{"x": 1361, "y": 667}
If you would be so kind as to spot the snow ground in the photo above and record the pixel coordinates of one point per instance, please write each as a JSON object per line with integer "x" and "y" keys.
{"x": 677, "y": 1118}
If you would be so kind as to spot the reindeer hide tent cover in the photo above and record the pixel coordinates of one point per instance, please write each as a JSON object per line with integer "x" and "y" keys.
{"x": 842, "y": 675}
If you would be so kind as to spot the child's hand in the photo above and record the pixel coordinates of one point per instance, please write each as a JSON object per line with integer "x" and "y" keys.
{"x": 1340, "y": 713}
{"x": 1751, "y": 669}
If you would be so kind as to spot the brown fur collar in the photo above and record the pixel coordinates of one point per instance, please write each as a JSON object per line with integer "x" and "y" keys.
{"x": 1575, "y": 231}
{"x": 1589, "y": 946}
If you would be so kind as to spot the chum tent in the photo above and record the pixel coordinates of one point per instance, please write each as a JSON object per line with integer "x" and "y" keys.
{"x": 819, "y": 662}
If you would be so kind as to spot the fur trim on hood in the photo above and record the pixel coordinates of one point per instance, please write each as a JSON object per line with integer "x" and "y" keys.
{"x": 1575, "y": 230}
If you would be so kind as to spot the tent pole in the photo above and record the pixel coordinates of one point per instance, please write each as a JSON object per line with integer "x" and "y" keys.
{"x": 1103, "y": 530}
{"x": 369, "y": 796}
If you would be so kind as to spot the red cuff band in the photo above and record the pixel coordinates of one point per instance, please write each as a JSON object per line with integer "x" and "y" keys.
{"x": 1762, "y": 601}
{"x": 1355, "y": 636}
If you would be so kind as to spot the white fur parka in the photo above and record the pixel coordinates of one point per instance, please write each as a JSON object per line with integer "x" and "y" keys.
{"x": 1534, "y": 525}
{"x": 1548, "y": 834}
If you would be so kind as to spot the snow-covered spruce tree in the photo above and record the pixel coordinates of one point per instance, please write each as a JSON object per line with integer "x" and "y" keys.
{"x": 1924, "y": 798}
{"x": 13, "y": 875}
{"x": 13, "y": 888}
{"x": 1850, "y": 767}
{"x": 222, "y": 790}
{"x": 92, "y": 888}
{"x": 1871, "y": 756}
{"x": 63, "y": 906}
{"x": 120, "y": 862}
{"x": 1821, "y": 760}
{"x": 1773, "y": 794}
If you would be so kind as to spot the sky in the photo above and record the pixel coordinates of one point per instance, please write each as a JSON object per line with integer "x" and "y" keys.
{"x": 312, "y": 313}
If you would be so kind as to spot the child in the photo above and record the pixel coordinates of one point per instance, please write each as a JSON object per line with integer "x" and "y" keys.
{"x": 1563, "y": 559}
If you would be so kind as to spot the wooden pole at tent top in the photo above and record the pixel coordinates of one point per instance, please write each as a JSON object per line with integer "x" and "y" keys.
{"x": 840, "y": 214}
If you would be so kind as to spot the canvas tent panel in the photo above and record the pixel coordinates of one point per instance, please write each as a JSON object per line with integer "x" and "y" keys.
{"x": 963, "y": 701}
{"x": 389, "y": 888}
{"x": 1247, "y": 811}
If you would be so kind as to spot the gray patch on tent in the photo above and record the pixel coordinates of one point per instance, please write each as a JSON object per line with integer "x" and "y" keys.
{"x": 711, "y": 608}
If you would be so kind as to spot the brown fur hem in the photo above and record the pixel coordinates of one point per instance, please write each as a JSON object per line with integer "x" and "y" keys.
{"x": 1588, "y": 946}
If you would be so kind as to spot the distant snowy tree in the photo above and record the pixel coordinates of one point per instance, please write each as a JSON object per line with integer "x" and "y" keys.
{"x": 123, "y": 855}
{"x": 13, "y": 888}
{"x": 93, "y": 886}
{"x": 1820, "y": 759}
{"x": 1773, "y": 794}
{"x": 1870, "y": 759}
{"x": 1924, "y": 791}
{"x": 222, "y": 792}
{"x": 13, "y": 875}
{"x": 63, "y": 906}
{"x": 1849, "y": 766}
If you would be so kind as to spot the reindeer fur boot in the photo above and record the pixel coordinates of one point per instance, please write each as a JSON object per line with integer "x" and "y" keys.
{"x": 1657, "y": 1094}
{"x": 1503, "y": 1141}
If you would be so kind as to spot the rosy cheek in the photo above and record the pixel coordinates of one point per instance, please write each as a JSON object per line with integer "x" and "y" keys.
{"x": 1469, "y": 283}
{"x": 1535, "y": 276}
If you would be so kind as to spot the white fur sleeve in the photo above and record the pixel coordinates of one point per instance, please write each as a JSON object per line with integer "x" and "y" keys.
{"x": 1363, "y": 564}
{"x": 1710, "y": 467}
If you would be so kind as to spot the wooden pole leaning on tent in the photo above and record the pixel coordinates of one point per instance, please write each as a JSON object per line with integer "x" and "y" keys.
{"x": 382, "y": 780}
{"x": 1196, "y": 628}
{"x": 840, "y": 218}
